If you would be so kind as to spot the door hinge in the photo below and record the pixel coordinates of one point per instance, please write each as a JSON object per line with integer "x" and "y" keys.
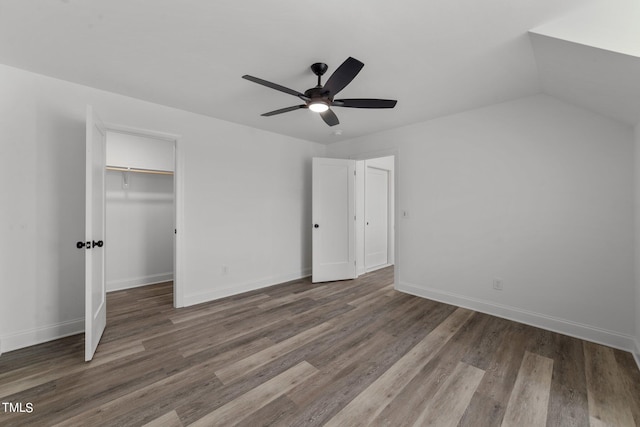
{"x": 354, "y": 172}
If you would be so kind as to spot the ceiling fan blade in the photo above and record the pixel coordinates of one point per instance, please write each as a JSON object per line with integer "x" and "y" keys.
{"x": 364, "y": 103}
{"x": 330, "y": 118}
{"x": 343, "y": 75}
{"x": 275, "y": 86}
{"x": 283, "y": 110}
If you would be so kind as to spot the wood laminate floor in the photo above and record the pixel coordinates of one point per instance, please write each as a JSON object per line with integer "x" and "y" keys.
{"x": 337, "y": 354}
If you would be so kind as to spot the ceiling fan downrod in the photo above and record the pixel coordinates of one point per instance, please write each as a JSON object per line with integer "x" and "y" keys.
{"x": 319, "y": 68}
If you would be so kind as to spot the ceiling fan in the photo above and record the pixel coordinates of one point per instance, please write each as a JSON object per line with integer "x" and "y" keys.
{"x": 320, "y": 98}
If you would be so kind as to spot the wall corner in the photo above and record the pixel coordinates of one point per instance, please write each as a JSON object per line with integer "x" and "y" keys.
{"x": 636, "y": 255}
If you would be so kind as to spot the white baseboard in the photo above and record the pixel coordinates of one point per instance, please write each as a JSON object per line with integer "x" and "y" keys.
{"x": 238, "y": 288}
{"x": 43, "y": 334}
{"x": 71, "y": 327}
{"x": 636, "y": 352}
{"x": 551, "y": 323}
{"x": 136, "y": 282}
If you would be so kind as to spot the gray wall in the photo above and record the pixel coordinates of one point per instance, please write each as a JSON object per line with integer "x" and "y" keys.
{"x": 536, "y": 193}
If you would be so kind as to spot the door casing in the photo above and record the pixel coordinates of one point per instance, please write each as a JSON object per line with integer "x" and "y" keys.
{"x": 178, "y": 201}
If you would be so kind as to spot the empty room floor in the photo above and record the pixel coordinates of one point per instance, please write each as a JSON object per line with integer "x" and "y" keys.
{"x": 340, "y": 353}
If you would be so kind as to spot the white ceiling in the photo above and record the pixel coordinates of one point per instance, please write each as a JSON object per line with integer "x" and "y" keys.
{"x": 612, "y": 25}
{"x": 434, "y": 57}
{"x": 597, "y": 79}
{"x": 591, "y": 58}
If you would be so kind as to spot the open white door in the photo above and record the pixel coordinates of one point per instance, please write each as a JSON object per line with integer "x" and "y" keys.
{"x": 333, "y": 211}
{"x": 95, "y": 291}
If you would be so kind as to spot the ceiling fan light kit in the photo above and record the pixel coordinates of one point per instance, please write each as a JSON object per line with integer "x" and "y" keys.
{"x": 320, "y": 98}
{"x": 318, "y": 107}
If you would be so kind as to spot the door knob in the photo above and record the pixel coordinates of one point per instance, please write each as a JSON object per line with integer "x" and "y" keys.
{"x": 315, "y": 226}
{"x": 99, "y": 244}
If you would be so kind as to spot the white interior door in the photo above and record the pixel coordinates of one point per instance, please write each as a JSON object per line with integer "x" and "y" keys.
{"x": 95, "y": 290}
{"x": 376, "y": 237}
{"x": 333, "y": 222}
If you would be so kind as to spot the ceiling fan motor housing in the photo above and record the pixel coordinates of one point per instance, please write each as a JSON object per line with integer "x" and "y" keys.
{"x": 317, "y": 92}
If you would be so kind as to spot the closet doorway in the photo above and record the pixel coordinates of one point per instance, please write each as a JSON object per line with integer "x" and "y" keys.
{"x": 376, "y": 229}
{"x": 140, "y": 199}
{"x": 375, "y": 207}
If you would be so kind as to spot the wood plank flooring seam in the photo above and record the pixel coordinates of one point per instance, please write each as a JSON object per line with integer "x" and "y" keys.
{"x": 368, "y": 404}
{"x": 255, "y": 399}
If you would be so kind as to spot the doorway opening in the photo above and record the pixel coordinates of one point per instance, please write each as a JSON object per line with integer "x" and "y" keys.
{"x": 140, "y": 205}
{"x": 353, "y": 216}
{"x": 375, "y": 213}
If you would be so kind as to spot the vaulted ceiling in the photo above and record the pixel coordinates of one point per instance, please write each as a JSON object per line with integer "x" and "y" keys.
{"x": 591, "y": 58}
{"x": 434, "y": 57}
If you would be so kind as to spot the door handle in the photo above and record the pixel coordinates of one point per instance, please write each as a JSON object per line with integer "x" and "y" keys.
{"x": 315, "y": 226}
{"x": 89, "y": 245}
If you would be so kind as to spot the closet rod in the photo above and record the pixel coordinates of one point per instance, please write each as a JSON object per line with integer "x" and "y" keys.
{"x": 153, "y": 171}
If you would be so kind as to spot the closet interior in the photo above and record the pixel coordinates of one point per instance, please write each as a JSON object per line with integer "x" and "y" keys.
{"x": 140, "y": 211}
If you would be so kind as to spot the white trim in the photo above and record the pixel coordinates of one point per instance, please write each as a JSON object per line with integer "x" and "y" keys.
{"x": 43, "y": 334}
{"x": 539, "y": 320}
{"x": 636, "y": 352}
{"x": 136, "y": 282}
{"x": 179, "y": 246}
{"x": 238, "y": 288}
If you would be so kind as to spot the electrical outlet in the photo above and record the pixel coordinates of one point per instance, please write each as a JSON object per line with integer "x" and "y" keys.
{"x": 497, "y": 284}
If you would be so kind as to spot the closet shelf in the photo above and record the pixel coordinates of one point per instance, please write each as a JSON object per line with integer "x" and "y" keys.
{"x": 136, "y": 170}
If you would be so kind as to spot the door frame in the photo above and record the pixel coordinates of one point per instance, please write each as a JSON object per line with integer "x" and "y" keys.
{"x": 178, "y": 200}
{"x": 396, "y": 206}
